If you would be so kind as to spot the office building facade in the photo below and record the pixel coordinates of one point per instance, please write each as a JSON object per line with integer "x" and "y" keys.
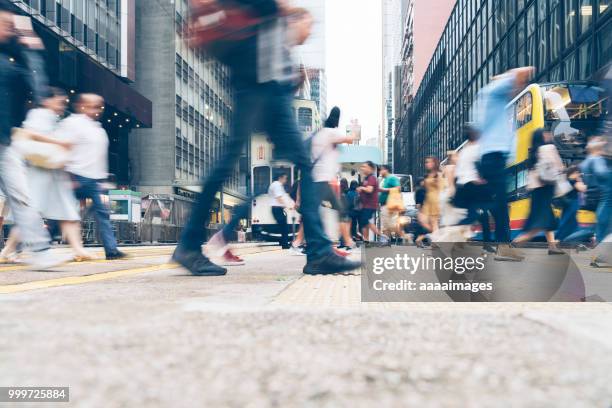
{"x": 90, "y": 47}
{"x": 193, "y": 111}
{"x": 313, "y": 53}
{"x": 563, "y": 39}
{"x": 422, "y": 26}
{"x": 392, "y": 47}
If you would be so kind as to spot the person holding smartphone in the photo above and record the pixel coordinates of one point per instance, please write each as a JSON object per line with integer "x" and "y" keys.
{"x": 21, "y": 78}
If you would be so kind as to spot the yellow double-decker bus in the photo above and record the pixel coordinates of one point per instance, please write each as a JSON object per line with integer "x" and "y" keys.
{"x": 572, "y": 111}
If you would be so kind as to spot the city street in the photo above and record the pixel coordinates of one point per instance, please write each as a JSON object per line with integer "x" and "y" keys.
{"x": 141, "y": 332}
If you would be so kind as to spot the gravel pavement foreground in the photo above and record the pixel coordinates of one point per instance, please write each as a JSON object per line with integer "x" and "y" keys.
{"x": 165, "y": 344}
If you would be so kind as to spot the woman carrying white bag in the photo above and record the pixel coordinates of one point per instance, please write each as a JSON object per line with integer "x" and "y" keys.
{"x": 50, "y": 186}
{"x": 546, "y": 180}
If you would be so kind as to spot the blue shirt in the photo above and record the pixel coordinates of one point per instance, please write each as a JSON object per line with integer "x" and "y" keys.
{"x": 493, "y": 120}
{"x": 596, "y": 173}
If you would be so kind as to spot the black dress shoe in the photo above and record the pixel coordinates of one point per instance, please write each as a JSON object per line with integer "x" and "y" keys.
{"x": 330, "y": 264}
{"x": 197, "y": 264}
{"x": 112, "y": 256}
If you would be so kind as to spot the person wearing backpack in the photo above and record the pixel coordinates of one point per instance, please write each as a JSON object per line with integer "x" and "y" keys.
{"x": 598, "y": 179}
{"x": 545, "y": 167}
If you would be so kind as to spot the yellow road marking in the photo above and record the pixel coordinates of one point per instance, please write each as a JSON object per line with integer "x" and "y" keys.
{"x": 96, "y": 261}
{"x": 77, "y": 280}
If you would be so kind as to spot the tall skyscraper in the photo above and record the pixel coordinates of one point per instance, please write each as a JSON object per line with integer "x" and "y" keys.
{"x": 313, "y": 53}
{"x": 392, "y": 47}
{"x": 193, "y": 103}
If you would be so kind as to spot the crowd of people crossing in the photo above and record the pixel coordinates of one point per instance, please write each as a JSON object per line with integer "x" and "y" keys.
{"x": 52, "y": 156}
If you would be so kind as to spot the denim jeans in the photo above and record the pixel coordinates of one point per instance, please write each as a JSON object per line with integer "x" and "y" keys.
{"x": 493, "y": 170}
{"x": 568, "y": 224}
{"x": 602, "y": 230}
{"x": 90, "y": 188}
{"x": 14, "y": 183}
{"x": 266, "y": 107}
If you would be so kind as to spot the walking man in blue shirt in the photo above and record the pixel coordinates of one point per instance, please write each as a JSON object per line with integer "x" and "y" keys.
{"x": 498, "y": 146}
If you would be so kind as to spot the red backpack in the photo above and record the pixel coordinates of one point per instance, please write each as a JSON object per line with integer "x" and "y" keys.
{"x": 219, "y": 26}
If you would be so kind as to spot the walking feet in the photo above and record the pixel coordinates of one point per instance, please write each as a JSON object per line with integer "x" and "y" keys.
{"x": 196, "y": 263}
{"x": 116, "y": 255}
{"x": 505, "y": 253}
{"x": 330, "y": 264}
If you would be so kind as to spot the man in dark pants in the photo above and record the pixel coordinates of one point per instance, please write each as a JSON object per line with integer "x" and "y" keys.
{"x": 497, "y": 148}
{"x": 280, "y": 201}
{"x": 264, "y": 79}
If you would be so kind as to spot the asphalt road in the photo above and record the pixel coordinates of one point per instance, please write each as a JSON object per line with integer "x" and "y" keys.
{"x": 143, "y": 333}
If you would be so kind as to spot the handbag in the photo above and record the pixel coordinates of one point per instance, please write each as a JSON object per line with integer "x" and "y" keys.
{"x": 395, "y": 202}
{"x": 547, "y": 172}
{"x": 38, "y": 154}
{"x": 562, "y": 186}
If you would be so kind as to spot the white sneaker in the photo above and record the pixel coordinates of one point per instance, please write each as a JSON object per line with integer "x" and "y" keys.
{"x": 296, "y": 251}
{"x": 46, "y": 259}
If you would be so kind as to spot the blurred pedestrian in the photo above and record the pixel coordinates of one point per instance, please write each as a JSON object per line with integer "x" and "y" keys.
{"x": 545, "y": 167}
{"x": 280, "y": 203}
{"x": 51, "y": 189}
{"x": 434, "y": 184}
{"x": 88, "y": 162}
{"x": 353, "y": 207}
{"x": 21, "y": 77}
{"x": 388, "y": 217}
{"x": 598, "y": 179}
{"x": 570, "y": 204}
{"x": 264, "y": 79}
{"x": 470, "y": 189}
{"x": 498, "y": 147}
{"x": 368, "y": 198}
{"x": 326, "y": 166}
{"x": 345, "y": 217}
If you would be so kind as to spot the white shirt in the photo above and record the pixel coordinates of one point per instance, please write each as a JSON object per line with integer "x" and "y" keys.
{"x": 465, "y": 170}
{"x": 89, "y": 152}
{"x": 326, "y": 155}
{"x": 277, "y": 191}
{"x": 43, "y": 121}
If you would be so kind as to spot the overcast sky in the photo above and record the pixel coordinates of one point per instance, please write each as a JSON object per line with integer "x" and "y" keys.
{"x": 354, "y": 64}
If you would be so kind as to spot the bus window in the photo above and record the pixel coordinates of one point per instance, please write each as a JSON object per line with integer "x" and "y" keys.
{"x": 277, "y": 171}
{"x": 522, "y": 179}
{"x": 261, "y": 180}
{"x": 305, "y": 119}
{"x": 524, "y": 108}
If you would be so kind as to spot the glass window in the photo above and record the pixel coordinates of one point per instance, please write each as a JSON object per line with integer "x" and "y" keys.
{"x": 524, "y": 108}
{"x": 261, "y": 180}
{"x": 604, "y": 44}
{"x": 555, "y": 32}
{"x": 586, "y": 15}
{"x": 604, "y": 6}
{"x": 542, "y": 48}
{"x": 570, "y": 22}
{"x": 541, "y": 11}
{"x": 585, "y": 60}
{"x": 570, "y": 67}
